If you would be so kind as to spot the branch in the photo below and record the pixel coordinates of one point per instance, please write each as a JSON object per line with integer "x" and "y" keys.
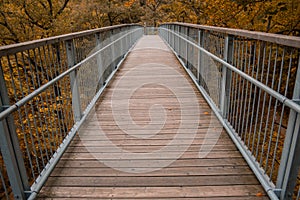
{"x": 7, "y": 26}
{"x": 45, "y": 7}
{"x": 32, "y": 20}
{"x": 51, "y": 7}
{"x": 294, "y": 27}
{"x": 62, "y": 8}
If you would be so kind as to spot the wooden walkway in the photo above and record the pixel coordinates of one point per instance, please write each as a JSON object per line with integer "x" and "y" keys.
{"x": 144, "y": 137}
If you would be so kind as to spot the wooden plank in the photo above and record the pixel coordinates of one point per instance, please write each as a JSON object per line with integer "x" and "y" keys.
{"x": 163, "y": 156}
{"x": 140, "y": 125}
{"x": 107, "y": 118}
{"x": 173, "y": 171}
{"x": 204, "y": 162}
{"x": 152, "y": 192}
{"x": 143, "y": 142}
{"x": 195, "y": 151}
{"x": 79, "y": 149}
{"x": 258, "y": 197}
{"x": 167, "y": 125}
{"x": 91, "y": 130}
{"x": 150, "y": 181}
{"x": 118, "y": 135}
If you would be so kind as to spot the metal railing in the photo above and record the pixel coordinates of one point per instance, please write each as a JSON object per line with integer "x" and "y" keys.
{"x": 151, "y": 30}
{"x": 48, "y": 87}
{"x": 252, "y": 82}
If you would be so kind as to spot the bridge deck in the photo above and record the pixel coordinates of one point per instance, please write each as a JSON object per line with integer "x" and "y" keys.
{"x": 132, "y": 148}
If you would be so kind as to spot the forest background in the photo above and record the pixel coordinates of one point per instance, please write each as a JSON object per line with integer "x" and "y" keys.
{"x": 23, "y": 20}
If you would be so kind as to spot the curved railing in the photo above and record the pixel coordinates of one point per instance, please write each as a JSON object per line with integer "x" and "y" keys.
{"x": 48, "y": 87}
{"x": 251, "y": 80}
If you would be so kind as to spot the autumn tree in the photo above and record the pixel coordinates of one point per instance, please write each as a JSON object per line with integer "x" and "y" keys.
{"x": 22, "y": 20}
{"x": 153, "y": 12}
{"x": 274, "y": 16}
{"x": 197, "y": 10}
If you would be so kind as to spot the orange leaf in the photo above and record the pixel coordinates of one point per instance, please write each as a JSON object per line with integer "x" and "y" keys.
{"x": 259, "y": 194}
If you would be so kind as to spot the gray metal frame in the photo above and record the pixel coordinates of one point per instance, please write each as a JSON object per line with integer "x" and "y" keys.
{"x": 11, "y": 151}
{"x": 239, "y": 57}
{"x": 290, "y": 156}
{"x": 62, "y": 62}
{"x": 150, "y": 30}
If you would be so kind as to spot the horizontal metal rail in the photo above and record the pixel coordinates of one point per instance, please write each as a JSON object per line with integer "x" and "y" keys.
{"x": 151, "y": 31}
{"x": 236, "y": 71}
{"x": 14, "y": 48}
{"x": 290, "y": 41}
{"x": 288, "y": 102}
{"x": 45, "y": 99}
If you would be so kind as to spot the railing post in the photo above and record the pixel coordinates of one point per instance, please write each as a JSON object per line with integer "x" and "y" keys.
{"x": 200, "y": 56}
{"x": 129, "y": 37}
{"x": 127, "y": 43}
{"x": 77, "y": 112}
{"x": 226, "y": 76}
{"x": 290, "y": 159}
{"x": 10, "y": 149}
{"x": 168, "y": 33}
{"x": 99, "y": 59}
{"x": 187, "y": 47}
{"x": 122, "y": 48}
{"x": 113, "y": 55}
{"x": 179, "y": 41}
{"x": 173, "y": 37}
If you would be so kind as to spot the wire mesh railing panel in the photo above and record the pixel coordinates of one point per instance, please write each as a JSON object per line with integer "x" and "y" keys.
{"x": 210, "y": 77}
{"x": 214, "y": 43}
{"x": 42, "y": 123}
{"x": 296, "y": 194}
{"x": 260, "y": 119}
{"x": 251, "y": 81}
{"x": 84, "y": 45}
{"x": 47, "y": 87}
{"x": 192, "y": 55}
{"x": 5, "y": 189}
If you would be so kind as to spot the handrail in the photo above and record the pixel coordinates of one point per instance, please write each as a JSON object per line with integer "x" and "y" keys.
{"x": 236, "y": 72}
{"x": 291, "y": 41}
{"x": 29, "y": 97}
{"x": 288, "y": 102}
{"x": 14, "y": 48}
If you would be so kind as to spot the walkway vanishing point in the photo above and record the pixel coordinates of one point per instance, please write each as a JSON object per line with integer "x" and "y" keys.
{"x": 82, "y": 173}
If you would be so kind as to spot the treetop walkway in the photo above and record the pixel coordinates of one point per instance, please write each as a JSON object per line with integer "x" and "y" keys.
{"x": 181, "y": 111}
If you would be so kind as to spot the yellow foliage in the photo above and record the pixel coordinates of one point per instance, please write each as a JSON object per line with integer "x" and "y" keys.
{"x": 22, "y": 20}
